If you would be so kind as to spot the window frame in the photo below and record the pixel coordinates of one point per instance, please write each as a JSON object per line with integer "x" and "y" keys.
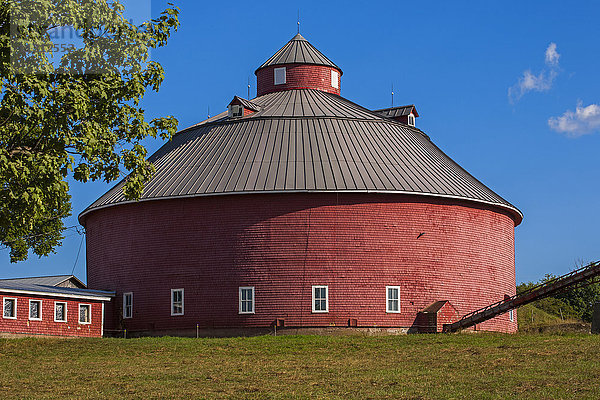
{"x": 511, "y": 315}
{"x": 125, "y": 316}
{"x": 388, "y": 299}
{"x": 14, "y": 299}
{"x": 235, "y": 107}
{"x": 65, "y": 313}
{"x": 242, "y": 288}
{"x": 335, "y": 79}
{"x": 39, "y": 310}
{"x": 411, "y": 119}
{"x": 275, "y": 70}
{"x": 79, "y": 314}
{"x": 173, "y": 313}
{"x": 314, "y": 310}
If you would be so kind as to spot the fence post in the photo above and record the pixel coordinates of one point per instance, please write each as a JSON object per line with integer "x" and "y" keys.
{"x": 596, "y": 318}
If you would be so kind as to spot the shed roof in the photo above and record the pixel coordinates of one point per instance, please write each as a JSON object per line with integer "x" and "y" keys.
{"x": 305, "y": 140}
{"x": 54, "y": 280}
{"x": 298, "y": 51}
{"x": 17, "y": 287}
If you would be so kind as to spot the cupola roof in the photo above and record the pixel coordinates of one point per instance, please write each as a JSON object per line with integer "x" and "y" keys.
{"x": 298, "y": 51}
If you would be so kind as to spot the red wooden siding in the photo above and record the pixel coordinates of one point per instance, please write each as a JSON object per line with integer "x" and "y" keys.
{"x": 47, "y": 326}
{"x": 298, "y": 76}
{"x": 281, "y": 244}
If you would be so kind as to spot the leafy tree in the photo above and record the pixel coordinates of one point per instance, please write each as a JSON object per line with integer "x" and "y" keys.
{"x": 72, "y": 111}
{"x": 574, "y": 303}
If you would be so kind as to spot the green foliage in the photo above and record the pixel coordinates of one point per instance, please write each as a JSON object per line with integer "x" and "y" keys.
{"x": 79, "y": 117}
{"x": 572, "y": 304}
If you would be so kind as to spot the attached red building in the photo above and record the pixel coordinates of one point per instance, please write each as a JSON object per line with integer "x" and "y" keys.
{"x": 300, "y": 208}
{"x": 51, "y": 307}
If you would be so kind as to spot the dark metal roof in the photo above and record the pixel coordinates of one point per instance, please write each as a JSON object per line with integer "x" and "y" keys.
{"x": 395, "y": 112}
{"x": 44, "y": 280}
{"x": 435, "y": 307}
{"x": 298, "y": 51}
{"x": 305, "y": 140}
{"x": 246, "y": 103}
{"x": 16, "y": 286}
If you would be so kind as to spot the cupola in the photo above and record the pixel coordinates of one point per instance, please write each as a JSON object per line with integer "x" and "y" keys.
{"x": 298, "y": 65}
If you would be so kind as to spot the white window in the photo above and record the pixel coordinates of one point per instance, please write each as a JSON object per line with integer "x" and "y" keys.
{"x": 236, "y": 111}
{"x": 279, "y": 76}
{"x": 127, "y": 305}
{"x": 392, "y": 299}
{"x": 176, "y": 301}
{"x": 85, "y": 313}
{"x": 411, "y": 119}
{"x": 320, "y": 299}
{"x": 335, "y": 79}
{"x": 511, "y": 316}
{"x": 247, "y": 300}
{"x": 10, "y": 308}
{"x": 60, "y": 311}
{"x": 35, "y": 310}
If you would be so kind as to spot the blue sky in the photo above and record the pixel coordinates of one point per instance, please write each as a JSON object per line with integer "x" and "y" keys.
{"x": 456, "y": 61}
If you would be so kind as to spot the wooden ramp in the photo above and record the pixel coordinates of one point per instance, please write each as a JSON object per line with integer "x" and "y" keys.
{"x": 578, "y": 278}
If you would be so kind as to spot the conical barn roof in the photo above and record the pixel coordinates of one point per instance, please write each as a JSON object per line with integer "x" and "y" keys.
{"x": 306, "y": 140}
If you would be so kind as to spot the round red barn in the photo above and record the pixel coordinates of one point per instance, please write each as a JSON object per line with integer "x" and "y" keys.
{"x": 302, "y": 209}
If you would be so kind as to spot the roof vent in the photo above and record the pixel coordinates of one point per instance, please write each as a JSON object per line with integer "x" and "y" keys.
{"x": 404, "y": 114}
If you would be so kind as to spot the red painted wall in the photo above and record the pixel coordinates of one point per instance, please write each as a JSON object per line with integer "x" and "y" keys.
{"x": 47, "y": 326}
{"x": 284, "y": 243}
{"x": 298, "y": 76}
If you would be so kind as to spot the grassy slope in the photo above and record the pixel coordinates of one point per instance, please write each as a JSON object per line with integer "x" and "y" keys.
{"x": 481, "y": 366}
{"x": 540, "y": 317}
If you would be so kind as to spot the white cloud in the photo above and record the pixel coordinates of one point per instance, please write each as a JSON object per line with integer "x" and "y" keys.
{"x": 576, "y": 123}
{"x": 537, "y": 82}
{"x": 552, "y": 55}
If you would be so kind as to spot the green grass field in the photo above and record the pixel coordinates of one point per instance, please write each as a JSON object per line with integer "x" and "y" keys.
{"x": 463, "y": 366}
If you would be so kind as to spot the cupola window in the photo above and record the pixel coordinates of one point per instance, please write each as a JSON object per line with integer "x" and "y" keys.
{"x": 335, "y": 79}
{"x": 279, "y": 76}
{"x": 411, "y": 119}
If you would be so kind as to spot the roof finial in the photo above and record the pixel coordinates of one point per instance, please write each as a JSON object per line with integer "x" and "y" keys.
{"x": 392, "y": 95}
{"x": 208, "y": 114}
{"x": 248, "y": 88}
{"x": 298, "y": 20}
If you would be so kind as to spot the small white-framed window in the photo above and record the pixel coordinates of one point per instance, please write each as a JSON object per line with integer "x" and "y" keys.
{"x": 411, "y": 119}
{"x": 128, "y": 305}
{"x": 246, "y": 295}
{"x": 176, "y": 301}
{"x": 85, "y": 313}
{"x": 9, "y": 308}
{"x": 280, "y": 76}
{"x": 35, "y": 310}
{"x": 320, "y": 299}
{"x": 236, "y": 111}
{"x": 335, "y": 79}
{"x": 60, "y": 311}
{"x": 392, "y": 299}
{"x": 511, "y": 315}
